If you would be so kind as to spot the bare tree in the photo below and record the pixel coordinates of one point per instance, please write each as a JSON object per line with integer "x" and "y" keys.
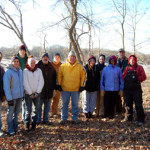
{"x": 135, "y": 16}
{"x": 121, "y": 8}
{"x": 7, "y": 21}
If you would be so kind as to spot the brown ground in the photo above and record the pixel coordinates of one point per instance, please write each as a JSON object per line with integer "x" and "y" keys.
{"x": 93, "y": 134}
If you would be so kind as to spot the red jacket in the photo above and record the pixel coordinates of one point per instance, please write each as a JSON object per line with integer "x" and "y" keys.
{"x": 139, "y": 70}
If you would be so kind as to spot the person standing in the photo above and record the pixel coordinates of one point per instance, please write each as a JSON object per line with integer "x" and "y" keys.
{"x": 1, "y": 92}
{"x": 99, "y": 110}
{"x": 89, "y": 95}
{"x": 55, "y": 101}
{"x": 133, "y": 75}
{"x": 111, "y": 83}
{"x": 122, "y": 62}
{"x": 13, "y": 88}
{"x": 49, "y": 75}
{"x": 22, "y": 61}
{"x": 33, "y": 84}
{"x": 71, "y": 81}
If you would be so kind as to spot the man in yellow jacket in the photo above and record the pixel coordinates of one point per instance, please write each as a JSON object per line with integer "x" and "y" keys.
{"x": 71, "y": 81}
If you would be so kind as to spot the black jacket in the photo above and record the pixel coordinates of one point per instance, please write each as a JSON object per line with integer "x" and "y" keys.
{"x": 93, "y": 78}
{"x": 49, "y": 75}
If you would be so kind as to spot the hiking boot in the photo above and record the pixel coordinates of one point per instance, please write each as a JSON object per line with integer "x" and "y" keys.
{"x": 138, "y": 123}
{"x": 76, "y": 122}
{"x": 33, "y": 126}
{"x": 47, "y": 123}
{"x": 12, "y": 133}
{"x": 86, "y": 115}
{"x": 90, "y": 115}
{"x": 62, "y": 122}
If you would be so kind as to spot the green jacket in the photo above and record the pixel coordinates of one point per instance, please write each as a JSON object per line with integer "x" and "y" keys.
{"x": 22, "y": 61}
{"x": 122, "y": 64}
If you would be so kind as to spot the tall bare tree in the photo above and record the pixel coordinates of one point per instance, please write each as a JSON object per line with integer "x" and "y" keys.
{"x": 121, "y": 8}
{"x": 7, "y": 21}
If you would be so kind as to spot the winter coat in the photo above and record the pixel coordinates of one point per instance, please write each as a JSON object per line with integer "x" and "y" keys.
{"x": 49, "y": 75}
{"x": 1, "y": 83}
{"x": 56, "y": 66}
{"x": 111, "y": 79}
{"x": 71, "y": 77}
{"x": 33, "y": 81}
{"x": 122, "y": 64}
{"x": 139, "y": 70}
{"x": 93, "y": 78}
{"x": 13, "y": 83}
{"x": 22, "y": 61}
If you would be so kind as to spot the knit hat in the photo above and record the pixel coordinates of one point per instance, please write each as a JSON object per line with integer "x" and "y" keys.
{"x": 57, "y": 54}
{"x": 31, "y": 59}
{"x": 71, "y": 53}
{"x": 22, "y": 47}
{"x": 114, "y": 58}
{"x": 134, "y": 57}
{"x": 121, "y": 50}
{"x": 92, "y": 57}
{"x": 13, "y": 58}
{"x": 45, "y": 54}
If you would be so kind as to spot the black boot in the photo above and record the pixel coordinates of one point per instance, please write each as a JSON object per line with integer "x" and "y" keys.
{"x": 33, "y": 126}
{"x": 90, "y": 115}
{"x": 86, "y": 115}
{"x": 27, "y": 127}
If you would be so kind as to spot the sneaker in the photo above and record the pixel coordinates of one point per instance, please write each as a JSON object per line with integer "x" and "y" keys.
{"x": 47, "y": 123}
{"x": 62, "y": 122}
{"x": 1, "y": 133}
{"x": 138, "y": 123}
{"x": 76, "y": 122}
{"x": 12, "y": 133}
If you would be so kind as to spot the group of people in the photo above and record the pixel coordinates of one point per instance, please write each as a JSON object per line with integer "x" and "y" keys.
{"x": 27, "y": 83}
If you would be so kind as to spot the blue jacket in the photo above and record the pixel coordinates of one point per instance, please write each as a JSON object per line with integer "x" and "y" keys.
{"x": 111, "y": 79}
{"x": 13, "y": 83}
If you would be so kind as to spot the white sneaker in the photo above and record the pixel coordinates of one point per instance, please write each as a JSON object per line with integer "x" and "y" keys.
{"x": 1, "y": 133}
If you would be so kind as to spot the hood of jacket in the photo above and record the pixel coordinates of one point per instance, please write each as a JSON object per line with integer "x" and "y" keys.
{"x": 10, "y": 66}
{"x": 113, "y": 57}
{"x": 135, "y": 59}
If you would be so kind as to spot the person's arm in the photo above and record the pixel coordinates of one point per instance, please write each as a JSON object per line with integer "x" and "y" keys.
{"x": 60, "y": 75}
{"x": 121, "y": 86}
{"x": 141, "y": 75}
{"x": 6, "y": 85}
{"x": 40, "y": 82}
{"x": 83, "y": 77}
{"x": 102, "y": 81}
{"x": 124, "y": 73}
{"x": 26, "y": 84}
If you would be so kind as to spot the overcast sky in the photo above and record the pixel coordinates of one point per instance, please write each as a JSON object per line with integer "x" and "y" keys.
{"x": 43, "y": 12}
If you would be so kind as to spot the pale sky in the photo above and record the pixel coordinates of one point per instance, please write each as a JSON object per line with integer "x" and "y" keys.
{"x": 34, "y": 17}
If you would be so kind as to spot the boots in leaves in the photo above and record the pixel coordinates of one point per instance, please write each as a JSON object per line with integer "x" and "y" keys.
{"x": 33, "y": 126}
{"x": 90, "y": 115}
{"x": 27, "y": 127}
{"x": 86, "y": 115}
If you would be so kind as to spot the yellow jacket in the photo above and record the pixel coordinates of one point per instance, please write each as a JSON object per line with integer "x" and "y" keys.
{"x": 71, "y": 77}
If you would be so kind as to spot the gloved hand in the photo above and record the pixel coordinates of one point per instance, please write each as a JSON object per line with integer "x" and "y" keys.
{"x": 11, "y": 103}
{"x": 36, "y": 95}
{"x": 32, "y": 96}
{"x": 59, "y": 88}
{"x": 81, "y": 89}
{"x": 121, "y": 93}
{"x": 102, "y": 93}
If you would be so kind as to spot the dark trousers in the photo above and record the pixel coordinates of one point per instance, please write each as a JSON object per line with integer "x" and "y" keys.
{"x": 136, "y": 97}
{"x": 109, "y": 103}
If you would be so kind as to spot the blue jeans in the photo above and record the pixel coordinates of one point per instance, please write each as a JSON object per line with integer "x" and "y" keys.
{"x": 28, "y": 102}
{"x": 0, "y": 114}
{"x": 65, "y": 95}
{"x": 46, "y": 103}
{"x": 12, "y": 115}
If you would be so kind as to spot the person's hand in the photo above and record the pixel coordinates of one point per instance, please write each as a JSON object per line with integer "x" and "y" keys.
{"x": 121, "y": 93}
{"x": 81, "y": 89}
{"x": 11, "y": 103}
{"x": 36, "y": 95}
{"x": 59, "y": 88}
{"x": 31, "y": 96}
{"x": 102, "y": 93}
